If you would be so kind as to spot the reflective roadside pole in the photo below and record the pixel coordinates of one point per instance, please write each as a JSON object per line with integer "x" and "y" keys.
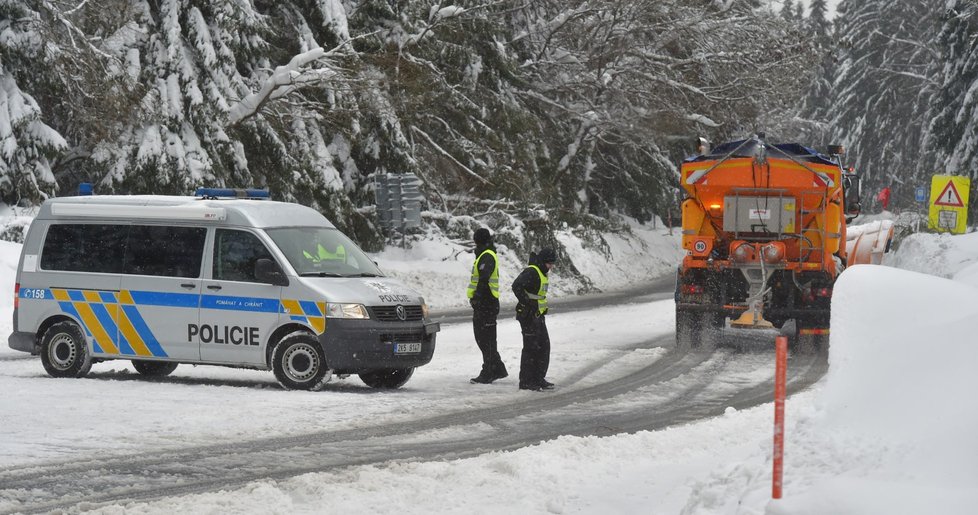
{"x": 781, "y": 363}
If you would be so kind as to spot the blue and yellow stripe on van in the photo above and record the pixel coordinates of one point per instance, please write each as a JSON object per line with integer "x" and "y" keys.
{"x": 310, "y": 313}
{"x": 112, "y": 320}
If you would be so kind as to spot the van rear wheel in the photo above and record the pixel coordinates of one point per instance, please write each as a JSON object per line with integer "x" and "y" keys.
{"x": 153, "y": 368}
{"x": 388, "y": 378}
{"x": 299, "y": 363}
{"x": 64, "y": 352}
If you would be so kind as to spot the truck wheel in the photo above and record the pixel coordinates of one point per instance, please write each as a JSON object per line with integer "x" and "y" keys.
{"x": 389, "y": 378}
{"x": 299, "y": 363}
{"x": 711, "y": 330}
{"x": 687, "y": 330}
{"x": 64, "y": 352}
{"x": 153, "y": 368}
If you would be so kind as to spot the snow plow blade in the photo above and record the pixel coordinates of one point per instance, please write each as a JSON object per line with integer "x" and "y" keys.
{"x": 866, "y": 244}
{"x": 751, "y": 320}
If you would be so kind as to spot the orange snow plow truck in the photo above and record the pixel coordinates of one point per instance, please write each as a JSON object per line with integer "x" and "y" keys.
{"x": 764, "y": 230}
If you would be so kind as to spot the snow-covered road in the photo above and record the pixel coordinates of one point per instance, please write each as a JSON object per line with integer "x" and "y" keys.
{"x": 208, "y": 428}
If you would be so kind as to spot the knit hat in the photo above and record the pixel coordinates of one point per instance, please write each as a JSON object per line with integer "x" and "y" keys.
{"x": 482, "y": 236}
{"x": 547, "y": 255}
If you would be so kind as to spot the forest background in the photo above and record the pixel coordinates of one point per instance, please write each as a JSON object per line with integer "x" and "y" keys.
{"x": 526, "y": 114}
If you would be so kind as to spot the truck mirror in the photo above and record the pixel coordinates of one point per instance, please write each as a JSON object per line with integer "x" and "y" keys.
{"x": 267, "y": 271}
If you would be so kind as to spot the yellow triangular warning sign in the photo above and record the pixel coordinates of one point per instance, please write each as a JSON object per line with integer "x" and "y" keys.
{"x": 949, "y": 196}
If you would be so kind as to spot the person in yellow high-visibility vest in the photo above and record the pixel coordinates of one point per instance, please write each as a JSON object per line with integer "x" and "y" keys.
{"x": 483, "y": 294}
{"x": 324, "y": 255}
{"x": 531, "y": 288}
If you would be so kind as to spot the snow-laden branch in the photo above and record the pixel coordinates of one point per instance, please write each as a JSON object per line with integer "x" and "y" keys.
{"x": 287, "y": 78}
{"x": 701, "y": 119}
{"x": 450, "y": 156}
{"x": 282, "y": 81}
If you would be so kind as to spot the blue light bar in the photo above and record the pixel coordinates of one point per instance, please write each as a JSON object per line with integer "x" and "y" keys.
{"x": 232, "y": 193}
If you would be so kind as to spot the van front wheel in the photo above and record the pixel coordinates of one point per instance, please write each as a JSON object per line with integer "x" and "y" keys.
{"x": 388, "y": 378}
{"x": 299, "y": 363}
{"x": 64, "y": 352}
{"x": 153, "y": 368}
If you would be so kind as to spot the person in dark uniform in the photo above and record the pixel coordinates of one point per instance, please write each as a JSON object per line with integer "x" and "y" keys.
{"x": 483, "y": 293}
{"x": 530, "y": 288}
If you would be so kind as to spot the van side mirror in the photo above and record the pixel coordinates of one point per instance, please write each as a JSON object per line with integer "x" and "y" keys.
{"x": 267, "y": 271}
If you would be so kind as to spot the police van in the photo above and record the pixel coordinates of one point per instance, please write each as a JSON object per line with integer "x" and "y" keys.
{"x": 240, "y": 282}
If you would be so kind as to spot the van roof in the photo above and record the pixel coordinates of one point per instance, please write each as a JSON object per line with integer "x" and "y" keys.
{"x": 231, "y": 212}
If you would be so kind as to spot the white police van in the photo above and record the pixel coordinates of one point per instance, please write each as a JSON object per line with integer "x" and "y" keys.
{"x": 205, "y": 280}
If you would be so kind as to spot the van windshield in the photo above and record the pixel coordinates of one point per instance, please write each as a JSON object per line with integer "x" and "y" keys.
{"x": 322, "y": 252}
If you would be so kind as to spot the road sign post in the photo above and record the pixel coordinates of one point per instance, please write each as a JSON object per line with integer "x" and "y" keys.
{"x": 398, "y": 198}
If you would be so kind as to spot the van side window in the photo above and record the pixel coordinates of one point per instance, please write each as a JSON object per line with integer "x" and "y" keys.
{"x": 165, "y": 251}
{"x": 84, "y": 248}
{"x": 235, "y": 254}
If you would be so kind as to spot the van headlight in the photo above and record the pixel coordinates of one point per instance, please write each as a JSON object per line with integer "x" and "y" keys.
{"x": 334, "y": 310}
{"x": 424, "y": 309}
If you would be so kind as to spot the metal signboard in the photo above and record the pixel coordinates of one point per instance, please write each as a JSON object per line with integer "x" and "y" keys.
{"x": 949, "y": 204}
{"x": 398, "y": 198}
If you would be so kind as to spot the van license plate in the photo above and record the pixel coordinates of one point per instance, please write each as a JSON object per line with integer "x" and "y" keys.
{"x": 407, "y": 348}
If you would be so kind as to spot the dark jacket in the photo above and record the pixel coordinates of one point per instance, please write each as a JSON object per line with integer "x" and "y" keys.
{"x": 482, "y": 299}
{"x": 528, "y": 281}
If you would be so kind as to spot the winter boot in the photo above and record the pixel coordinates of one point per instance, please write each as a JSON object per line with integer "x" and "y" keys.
{"x": 484, "y": 377}
{"x": 499, "y": 371}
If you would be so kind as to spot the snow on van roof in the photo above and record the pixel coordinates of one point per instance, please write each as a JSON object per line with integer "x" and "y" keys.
{"x": 250, "y": 213}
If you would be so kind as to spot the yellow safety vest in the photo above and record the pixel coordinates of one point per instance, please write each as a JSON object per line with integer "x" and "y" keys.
{"x": 493, "y": 278}
{"x": 323, "y": 254}
{"x": 540, "y": 296}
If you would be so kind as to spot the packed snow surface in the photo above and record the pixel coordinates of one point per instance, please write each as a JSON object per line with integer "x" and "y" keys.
{"x": 890, "y": 429}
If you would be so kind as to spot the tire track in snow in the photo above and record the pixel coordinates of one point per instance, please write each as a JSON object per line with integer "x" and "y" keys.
{"x": 690, "y": 388}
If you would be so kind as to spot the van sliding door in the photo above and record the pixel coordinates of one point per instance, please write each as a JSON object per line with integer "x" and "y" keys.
{"x": 160, "y": 295}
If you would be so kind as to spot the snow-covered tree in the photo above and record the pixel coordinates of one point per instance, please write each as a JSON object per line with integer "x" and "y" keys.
{"x": 950, "y": 144}
{"x": 788, "y": 10}
{"x": 581, "y": 108}
{"x": 818, "y": 22}
{"x": 882, "y": 90}
{"x": 27, "y": 144}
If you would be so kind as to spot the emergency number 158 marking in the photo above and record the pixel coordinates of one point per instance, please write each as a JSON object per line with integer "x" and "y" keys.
{"x": 32, "y": 293}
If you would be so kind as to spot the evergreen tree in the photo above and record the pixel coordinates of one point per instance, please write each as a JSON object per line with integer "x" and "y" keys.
{"x": 577, "y": 109}
{"x": 788, "y": 10}
{"x": 881, "y": 94}
{"x": 951, "y": 140}
{"x": 818, "y": 22}
{"x": 27, "y": 144}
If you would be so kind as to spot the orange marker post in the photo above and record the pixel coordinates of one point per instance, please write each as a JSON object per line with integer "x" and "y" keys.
{"x": 781, "y": 364}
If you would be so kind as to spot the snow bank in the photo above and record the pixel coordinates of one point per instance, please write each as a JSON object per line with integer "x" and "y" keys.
{"x": 943, "y": 255}
{"x": 898, "y": 419}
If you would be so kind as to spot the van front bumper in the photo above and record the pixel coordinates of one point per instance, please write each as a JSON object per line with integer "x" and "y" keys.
{"x": 355, "y": 346}
{"x": 22, "y": 341}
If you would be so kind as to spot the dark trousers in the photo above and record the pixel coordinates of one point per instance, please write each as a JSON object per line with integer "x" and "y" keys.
{"x": 535, "y": 359}
{"x": 484, "y": 327}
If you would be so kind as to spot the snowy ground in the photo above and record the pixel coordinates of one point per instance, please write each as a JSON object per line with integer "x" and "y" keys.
{"x": 889, "y": 430}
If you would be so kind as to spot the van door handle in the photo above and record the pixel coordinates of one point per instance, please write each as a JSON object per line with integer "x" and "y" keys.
{"x": 188, "y": 285}
{"x": 213, "y": 287}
